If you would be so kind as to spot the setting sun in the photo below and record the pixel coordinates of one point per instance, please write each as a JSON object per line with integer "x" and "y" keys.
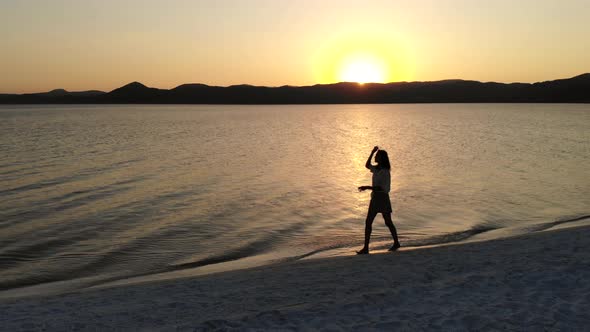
{"x": 363, "y": 57}
{"x": 363, "y": 70}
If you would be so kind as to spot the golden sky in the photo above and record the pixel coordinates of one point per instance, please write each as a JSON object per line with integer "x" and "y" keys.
{"x": 92, "y": 44}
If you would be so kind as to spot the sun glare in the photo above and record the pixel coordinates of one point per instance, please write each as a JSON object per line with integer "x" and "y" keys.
{"x": 363, "y": 57}
{"x": 363, "y": 71}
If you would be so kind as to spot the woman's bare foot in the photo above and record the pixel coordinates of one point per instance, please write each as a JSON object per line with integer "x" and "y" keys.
{"x": 363, "y": 251}
{"x": 395, "y": 247}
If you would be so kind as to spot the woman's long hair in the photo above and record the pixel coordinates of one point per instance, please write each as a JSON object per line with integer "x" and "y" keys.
{"x": 383, "y": 159}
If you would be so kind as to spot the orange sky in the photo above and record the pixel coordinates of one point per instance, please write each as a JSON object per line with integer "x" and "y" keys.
{"x": 91, "y": 44}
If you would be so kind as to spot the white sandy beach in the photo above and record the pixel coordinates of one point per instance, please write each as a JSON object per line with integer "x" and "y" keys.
{"x": 533, "y": 282}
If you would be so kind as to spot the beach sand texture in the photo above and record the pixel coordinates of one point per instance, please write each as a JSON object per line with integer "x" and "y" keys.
{"x": 532, "y": 282}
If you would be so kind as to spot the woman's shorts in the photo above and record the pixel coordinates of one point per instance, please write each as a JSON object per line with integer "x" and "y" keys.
{"x": 380, "y": 202}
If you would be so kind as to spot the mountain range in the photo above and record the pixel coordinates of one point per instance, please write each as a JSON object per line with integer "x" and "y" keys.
{"x": 571, "y": 90}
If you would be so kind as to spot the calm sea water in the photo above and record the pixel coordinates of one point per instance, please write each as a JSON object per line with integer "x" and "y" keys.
{"x": 91, "y": 194}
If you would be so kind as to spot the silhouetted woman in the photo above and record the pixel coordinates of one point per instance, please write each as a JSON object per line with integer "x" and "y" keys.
{"x": 380, "y": 202}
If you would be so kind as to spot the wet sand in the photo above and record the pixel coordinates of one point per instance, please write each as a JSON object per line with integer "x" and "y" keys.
{"x": 536, "y": 281}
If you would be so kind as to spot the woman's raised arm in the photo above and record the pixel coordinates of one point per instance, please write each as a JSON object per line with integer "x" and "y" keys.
{"x": 368, "y": 163}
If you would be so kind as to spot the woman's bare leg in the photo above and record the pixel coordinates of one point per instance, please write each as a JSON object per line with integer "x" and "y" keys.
{"x": 368, "y": 228}
{"x": 389, "y": 223}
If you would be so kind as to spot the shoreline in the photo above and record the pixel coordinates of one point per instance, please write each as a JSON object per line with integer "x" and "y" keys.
{"x": 532, "y": 281}
{"x": 76, "y": 285}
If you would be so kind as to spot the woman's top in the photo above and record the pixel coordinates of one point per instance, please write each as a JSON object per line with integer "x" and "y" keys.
{"x": 381, "y": 178}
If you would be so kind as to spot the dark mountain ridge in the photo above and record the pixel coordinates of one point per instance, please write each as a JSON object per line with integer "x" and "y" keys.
{"x": 570, "y": 90}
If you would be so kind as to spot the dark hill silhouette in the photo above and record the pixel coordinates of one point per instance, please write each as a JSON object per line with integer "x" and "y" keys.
{"x": 62, "y": 93}
{"x": 56, "y": 96}
{"x": 571, "y": 90}
{"x": 58, "y": 92}
{"x": 134, "y": 92}
{"x": 133, "y": 87}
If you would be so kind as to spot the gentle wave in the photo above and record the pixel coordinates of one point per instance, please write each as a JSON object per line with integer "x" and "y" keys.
{"x": 262, "y": 245}
{"x": 98, "y": 193}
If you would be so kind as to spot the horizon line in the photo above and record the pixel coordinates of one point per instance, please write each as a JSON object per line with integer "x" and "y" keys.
{"x": 288, "y": 85}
